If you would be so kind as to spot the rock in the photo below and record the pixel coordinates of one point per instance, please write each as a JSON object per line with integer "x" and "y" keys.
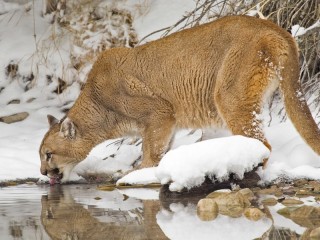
{"x": 207, "y": 209}
{"x": 305, "y": 216}
{"x": 253, "y": 214}
{"x": 247, "y": 193}
{"x": 306, "y": 212}
{"x": 300, "y": 182}
{"x": 289, "y": 190}
{"x": 232, "y": 204}
{"x": 216, "y": 194}
{"x": 304, "y": 192}
{"x": 14, "y": 118}
{"x": 14, "y": 101}
{"x": 231, "y": 211}
{"x": 315, "y": 233}
{"x": 233, "y": 199}
{"x": 274, "y": 190}
{"x": 291, "y": 202}
{"x": 269, "y": 201}
{"x": 30, "y": 183}
{"x": 285, "y": 212}
{"x": 31, "y": 100}
{"x": 314, "y": 183}
{"x": 255, "y": 189}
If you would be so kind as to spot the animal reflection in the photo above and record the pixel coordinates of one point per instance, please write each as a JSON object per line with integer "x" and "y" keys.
{"x": 64, "y": 218}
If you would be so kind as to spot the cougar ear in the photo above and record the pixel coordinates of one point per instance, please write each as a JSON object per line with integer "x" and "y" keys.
{"x": 68, "y": 129}
{"x": 52, "y": 120}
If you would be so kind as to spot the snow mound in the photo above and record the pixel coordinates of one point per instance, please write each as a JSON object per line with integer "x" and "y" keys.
{"x": 187, "y": 166}
{"x": 141, "y": 176}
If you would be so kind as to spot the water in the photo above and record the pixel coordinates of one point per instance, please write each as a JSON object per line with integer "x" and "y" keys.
{"x": 74, "y": 212}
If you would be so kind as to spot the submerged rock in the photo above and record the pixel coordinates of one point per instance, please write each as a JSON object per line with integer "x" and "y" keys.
{"x": 269, "y": 201}
{"x": 291, "y": 202}
{"x": 305, "y": 216}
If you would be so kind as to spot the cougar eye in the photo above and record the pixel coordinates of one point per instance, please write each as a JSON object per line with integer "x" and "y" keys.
{"x": 48, "y": 155}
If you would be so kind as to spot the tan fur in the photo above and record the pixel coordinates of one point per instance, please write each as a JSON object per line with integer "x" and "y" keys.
{"x": 216, "y": 74}
{"x": 63, "y": 218}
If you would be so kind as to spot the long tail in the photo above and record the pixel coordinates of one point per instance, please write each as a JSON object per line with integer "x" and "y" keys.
{"x": 295, "y": 103}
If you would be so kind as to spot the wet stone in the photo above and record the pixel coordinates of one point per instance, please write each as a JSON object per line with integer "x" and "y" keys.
{"x": 207, "y": 209}
{"x": 291, "y": 202}
{"x": 247, "y": 193}
{"x": 305, "y": 216}
{"x": 217, "y": 194}
{"x": 232, "y": 204}
{"x": 255, "y": 189}
{"x": 285, "y": 212}
{"x": 304, "y": 192}
{"x": 314, "y": 183}
{"x": 253, "y": 214}
{"x": 306, "y": 212}
{"x": 315, "y": 233}
{"x": 300, "y": 182}
{"x": 231, "y": 211}
{"x": 289, "y": 190}
{"x": 269, "y": 201}
{"x": 273, "y": 190}
{"x": 232, "y": 199}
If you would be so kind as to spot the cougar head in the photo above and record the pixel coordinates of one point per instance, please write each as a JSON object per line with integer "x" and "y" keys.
{"x": 59, "y": 150}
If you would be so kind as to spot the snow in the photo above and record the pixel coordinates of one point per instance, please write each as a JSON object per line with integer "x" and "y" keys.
{"x": 141, "y": 176}
{"x": 49, "y": 55}
{"x": 187, "y": 166}
{"x": 297, "y": 30}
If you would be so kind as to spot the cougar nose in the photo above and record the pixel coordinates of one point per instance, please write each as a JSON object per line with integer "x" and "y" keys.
{"x": 44, "y": 172}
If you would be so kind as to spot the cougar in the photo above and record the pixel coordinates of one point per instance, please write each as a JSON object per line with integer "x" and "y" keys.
{"x": 216, "y": 74}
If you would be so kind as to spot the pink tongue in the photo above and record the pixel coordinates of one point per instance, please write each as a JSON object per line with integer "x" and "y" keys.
{"x": 52, "y": 181}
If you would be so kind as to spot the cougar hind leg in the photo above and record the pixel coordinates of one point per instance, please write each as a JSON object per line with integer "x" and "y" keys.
{"x": 240, "y": 103}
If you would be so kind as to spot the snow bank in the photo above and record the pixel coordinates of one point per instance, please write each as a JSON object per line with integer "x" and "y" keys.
{"x": 141, "y": 176}
{"x": 187, "y": 166}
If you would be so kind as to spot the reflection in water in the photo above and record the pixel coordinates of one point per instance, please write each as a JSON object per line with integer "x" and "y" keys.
{"x": 76, "y": 212}
{"x": 15, "y": 229}
{"x": 19, "y": 213}
{"x": 64, "y": 218}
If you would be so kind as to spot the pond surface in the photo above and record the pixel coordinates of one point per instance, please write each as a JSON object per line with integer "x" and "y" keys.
{"x": 77, "y": 212}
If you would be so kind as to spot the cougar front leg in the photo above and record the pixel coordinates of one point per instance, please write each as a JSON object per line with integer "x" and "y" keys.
{"x": 156, "y": 137}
